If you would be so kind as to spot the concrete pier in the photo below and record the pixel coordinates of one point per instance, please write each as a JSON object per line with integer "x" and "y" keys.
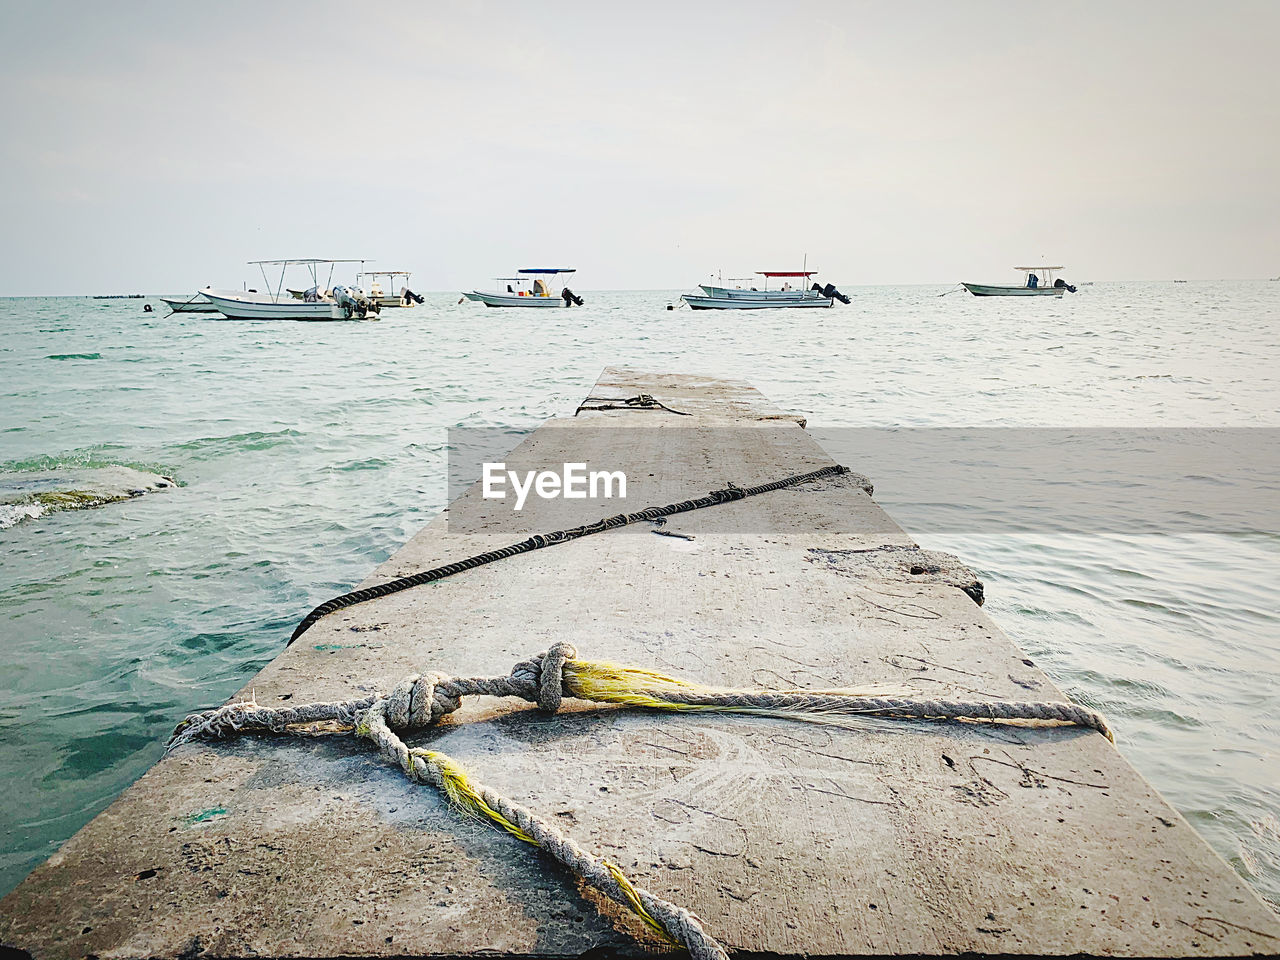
{"x": 788, "y": 839}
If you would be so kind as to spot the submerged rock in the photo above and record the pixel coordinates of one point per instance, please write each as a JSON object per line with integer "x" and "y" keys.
{"x": 34, "y": 494}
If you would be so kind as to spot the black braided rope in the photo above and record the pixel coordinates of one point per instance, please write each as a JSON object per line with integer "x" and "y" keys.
{"x": 539, "y": 540}
{"x": 644, "y": 401}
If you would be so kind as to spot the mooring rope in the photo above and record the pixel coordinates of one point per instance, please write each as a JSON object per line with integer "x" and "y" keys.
{"x": 419, "y": 701}
{"x": 173, "y": 310}
{"x": 643, "y": 401}
{"x": 537, "y": 541}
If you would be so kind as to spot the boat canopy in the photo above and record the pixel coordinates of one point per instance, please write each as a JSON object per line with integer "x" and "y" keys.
{"x": 548, "y": 270}
{"x": 384, "y": 273}
{"x": 278, "y": 263}
{"x": 786, "y": 273}
{"x": 1031, "y": 269}
{"x": 311, "y": 264}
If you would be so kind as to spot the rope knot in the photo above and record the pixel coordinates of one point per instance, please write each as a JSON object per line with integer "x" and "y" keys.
{"x": 419, "y": 701}
{"x": 551, "y": 678}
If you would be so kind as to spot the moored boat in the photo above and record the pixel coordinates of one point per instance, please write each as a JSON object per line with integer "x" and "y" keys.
{"x": 1039, "y": 282}
{"x": 718, "y": 297}
{"x": 749, "y": 303}
{"x": 197, "y": 304}
{"x": 319, "y": 302}
{"x": 529, "y": 289}
{"x": 384, "y": 299}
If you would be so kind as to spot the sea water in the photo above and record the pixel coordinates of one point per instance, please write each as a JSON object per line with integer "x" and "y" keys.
{"x": 306, "y": 453}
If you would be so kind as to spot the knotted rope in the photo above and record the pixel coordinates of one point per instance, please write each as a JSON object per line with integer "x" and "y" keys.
{"x": 643, "y": 401}
{"x": 540, "y": 540}
{"x": 419, "y": 701}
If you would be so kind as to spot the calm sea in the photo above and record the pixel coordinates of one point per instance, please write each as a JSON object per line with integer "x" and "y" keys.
{"x": 307, "y": 453}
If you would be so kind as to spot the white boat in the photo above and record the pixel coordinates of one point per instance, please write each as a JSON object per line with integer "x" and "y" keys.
{"x": 753, "y": 294}
{"x": 719, "y": 297}
{"x": 197, "y": 304}
{"x": 319, "y": 302}
{"x": 405, "y": 298}
{"x": 530, "y": 289}
{"x": 1039, "y": 282}
{"x": 759, "y": 303}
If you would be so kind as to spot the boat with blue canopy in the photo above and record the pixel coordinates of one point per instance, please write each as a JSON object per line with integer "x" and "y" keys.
{"x": 532, "y": 287}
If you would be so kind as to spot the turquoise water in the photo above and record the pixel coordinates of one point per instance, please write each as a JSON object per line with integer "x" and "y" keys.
{"x": 307, "y": 453}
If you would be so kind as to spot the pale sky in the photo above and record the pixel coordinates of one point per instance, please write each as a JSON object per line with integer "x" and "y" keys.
{"x": 156, "y": 147}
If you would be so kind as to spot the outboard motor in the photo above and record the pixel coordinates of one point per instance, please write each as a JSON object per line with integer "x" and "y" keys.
{"x": 343, "y": 299}
{"x": 367, "y": 308}
{"x": 570, "y": 298}
{"x": 1063, "y": 285}
{"x": 830, "y": 291}
{"x": 354, "y": 303}
{"x": 408, "y": 296}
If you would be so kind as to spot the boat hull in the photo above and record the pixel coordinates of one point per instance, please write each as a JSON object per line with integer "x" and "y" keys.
{"x": 512, "y": 300}
{"x": 739, "y": 293}
{"x": 199, "y": 305}
{"x": 749, "y": 303}
{"x": 984, "y": 290}
{"x": 382, "y": 300}
{"x": 239, "y": 306}
{"x": 391, "y": 301}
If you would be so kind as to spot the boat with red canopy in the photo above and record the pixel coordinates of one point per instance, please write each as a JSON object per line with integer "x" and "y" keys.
{"x": 784, "y": 294}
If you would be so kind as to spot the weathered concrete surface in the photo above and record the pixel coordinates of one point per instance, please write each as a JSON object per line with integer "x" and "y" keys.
{"x": 786, "y": 838}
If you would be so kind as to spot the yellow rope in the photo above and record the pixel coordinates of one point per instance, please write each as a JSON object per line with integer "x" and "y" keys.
{"x": 458, "y": 788}
{"x": 633, "y": 900}
{"x": 607, "y": 682}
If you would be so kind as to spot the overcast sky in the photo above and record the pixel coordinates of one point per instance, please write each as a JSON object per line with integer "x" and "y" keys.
{"x": 156, "y": 147}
